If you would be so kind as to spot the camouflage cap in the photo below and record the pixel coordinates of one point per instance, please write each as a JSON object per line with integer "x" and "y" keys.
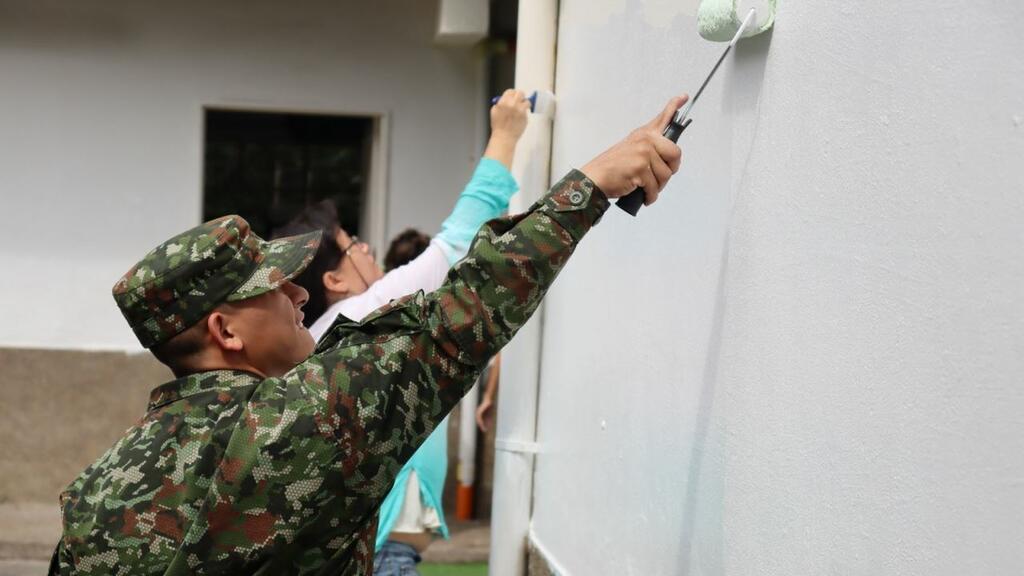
{"x": 180, "y": 281}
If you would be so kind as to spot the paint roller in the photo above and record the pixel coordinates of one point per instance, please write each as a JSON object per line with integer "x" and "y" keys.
{"x": 718, "y": 21}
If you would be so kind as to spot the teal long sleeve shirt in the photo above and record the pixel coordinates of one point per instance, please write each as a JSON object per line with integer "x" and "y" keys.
{"x": 485, "y": 197}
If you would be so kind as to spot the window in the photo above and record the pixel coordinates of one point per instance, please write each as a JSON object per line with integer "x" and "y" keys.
{"x": 267, "y": 167}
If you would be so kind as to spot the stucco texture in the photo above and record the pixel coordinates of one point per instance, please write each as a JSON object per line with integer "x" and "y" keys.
{"x": 806, "y": 358}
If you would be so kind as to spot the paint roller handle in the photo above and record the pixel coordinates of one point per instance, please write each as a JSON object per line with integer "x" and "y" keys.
{"x": 632, "y": 202}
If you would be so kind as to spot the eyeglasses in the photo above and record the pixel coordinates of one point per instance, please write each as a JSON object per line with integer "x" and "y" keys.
{"x": 355, "y": 241}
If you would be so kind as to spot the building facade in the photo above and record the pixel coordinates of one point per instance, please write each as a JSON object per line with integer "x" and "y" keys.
{"x": 102, "y": 115}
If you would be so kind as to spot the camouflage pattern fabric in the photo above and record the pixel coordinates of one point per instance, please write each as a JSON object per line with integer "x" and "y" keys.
{"x": 230, "y": 473}
{"x": 180, "y": 281}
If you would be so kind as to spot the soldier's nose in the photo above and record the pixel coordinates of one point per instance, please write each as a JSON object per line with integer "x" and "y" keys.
{"x": 297, "y": 294}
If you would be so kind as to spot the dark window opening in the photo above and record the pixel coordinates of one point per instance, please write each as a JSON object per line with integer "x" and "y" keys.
{"x": 267, "y": 167}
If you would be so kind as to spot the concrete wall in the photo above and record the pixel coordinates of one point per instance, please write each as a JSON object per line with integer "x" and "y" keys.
{"x": 101, "y": 130}
{"x": 60, "y": 410}
{"x": 807, "y": 357}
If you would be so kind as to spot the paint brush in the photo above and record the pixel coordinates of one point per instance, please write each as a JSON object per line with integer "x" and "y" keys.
{"x": 541, "y": 102}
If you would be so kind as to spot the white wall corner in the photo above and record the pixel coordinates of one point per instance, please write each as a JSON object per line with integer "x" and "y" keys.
{"x": 462, "y": 22}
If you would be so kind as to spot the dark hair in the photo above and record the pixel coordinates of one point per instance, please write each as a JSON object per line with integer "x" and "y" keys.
{"x": 322, "y": 216}
{"x": 409, "y": 244}
{"x": 176, "y": 352}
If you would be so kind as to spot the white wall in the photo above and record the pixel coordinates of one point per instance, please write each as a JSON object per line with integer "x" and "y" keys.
{"x": 807, "y": 358}
{"x": 101, "y": 130}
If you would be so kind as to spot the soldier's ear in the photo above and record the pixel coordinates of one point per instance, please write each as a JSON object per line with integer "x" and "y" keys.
{"x": 222, "y": 332}
{"x": 334, "y": 281}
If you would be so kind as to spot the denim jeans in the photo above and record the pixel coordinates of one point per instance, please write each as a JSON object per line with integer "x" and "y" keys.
{"x": 396, "y": 559}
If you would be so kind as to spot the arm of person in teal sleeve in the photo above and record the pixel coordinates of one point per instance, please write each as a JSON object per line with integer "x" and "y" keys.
{"x": 492, "y": 185}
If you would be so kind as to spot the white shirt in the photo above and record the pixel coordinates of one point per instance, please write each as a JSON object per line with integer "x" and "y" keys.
{"x": 427, "y": 272}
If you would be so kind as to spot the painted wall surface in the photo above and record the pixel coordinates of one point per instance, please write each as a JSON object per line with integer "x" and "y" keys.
{"x": 807, "y": 357}
{"x": 101, "y": 130}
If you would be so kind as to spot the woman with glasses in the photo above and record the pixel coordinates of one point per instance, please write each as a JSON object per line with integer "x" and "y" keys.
{"x": 344, "y": 278}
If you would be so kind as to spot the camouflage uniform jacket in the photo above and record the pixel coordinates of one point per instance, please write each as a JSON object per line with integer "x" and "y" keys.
{"x": 232, "y": 473}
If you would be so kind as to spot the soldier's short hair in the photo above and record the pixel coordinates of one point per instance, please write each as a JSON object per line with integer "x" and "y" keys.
{"x": 177, "y": 352}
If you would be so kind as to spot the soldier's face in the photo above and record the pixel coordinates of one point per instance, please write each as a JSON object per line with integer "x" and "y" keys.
{"x": 270, "y": 325}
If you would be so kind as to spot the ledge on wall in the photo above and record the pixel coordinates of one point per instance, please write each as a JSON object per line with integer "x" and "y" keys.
{"x": 462, "y": 22}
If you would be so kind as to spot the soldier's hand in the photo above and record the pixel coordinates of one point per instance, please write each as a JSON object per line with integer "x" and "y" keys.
{"x": 644, "y": 159}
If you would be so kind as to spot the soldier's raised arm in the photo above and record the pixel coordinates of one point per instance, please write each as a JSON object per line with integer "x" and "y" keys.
{"x": 391, "y": 379}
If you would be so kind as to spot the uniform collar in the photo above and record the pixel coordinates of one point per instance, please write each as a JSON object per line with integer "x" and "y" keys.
{"x": 200, "y": 382}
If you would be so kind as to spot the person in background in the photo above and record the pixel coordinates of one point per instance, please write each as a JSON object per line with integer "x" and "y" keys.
{"x": 404, "y": 248}
{"x": 485, "y": 410}
{"x": 344, "y": 279}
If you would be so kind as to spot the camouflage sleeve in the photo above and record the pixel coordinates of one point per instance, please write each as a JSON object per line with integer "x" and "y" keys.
{"x": 60, "y": 562}
{"x": 389, "y": 380}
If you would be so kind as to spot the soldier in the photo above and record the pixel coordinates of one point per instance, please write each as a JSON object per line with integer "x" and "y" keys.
{"x": 267, "y": 456}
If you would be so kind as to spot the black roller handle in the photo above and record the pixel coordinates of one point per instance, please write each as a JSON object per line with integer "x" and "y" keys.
{"x": 632, "y": 202}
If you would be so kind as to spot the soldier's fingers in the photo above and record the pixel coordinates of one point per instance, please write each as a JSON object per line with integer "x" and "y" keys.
{"x": 669, "y": 152}
{"x": 661, "y": 120}
{"x": 661, "y": 170}
{"x": 677, "y": 162}
{"x": 650, "y": 185}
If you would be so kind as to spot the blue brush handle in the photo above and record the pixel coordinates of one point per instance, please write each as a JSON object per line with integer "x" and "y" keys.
{"x": 532, "y": 99}
{"x": 632, "y": 202}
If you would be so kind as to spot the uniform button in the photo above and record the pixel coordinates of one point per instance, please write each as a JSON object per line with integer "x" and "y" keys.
{"x": 576, "y": 197}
